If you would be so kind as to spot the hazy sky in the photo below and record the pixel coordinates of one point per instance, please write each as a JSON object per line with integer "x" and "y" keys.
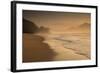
{"x": 56, "y": 20}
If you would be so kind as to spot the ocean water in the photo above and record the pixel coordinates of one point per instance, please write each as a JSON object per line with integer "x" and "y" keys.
{"x": 64, "y": 44}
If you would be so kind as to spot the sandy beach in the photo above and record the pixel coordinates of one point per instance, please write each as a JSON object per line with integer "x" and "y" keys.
{"x": 46, "y": 47}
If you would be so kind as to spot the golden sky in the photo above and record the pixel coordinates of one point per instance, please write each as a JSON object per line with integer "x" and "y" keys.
{"x": 56, "y": 20}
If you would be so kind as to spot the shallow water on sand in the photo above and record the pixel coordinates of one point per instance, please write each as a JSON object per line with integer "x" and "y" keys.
{"x": 69, "y": 46}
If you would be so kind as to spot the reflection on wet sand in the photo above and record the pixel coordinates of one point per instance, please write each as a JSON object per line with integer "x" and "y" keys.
{"x": 35, "y": 50}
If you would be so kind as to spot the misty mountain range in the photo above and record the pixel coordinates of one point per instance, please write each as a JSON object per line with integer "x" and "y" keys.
{"x": 30, "y": 27}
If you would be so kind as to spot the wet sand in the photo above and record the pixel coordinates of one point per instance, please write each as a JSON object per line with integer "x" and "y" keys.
{"x": 51, "y": 47}
{"x": 35, "y": 50}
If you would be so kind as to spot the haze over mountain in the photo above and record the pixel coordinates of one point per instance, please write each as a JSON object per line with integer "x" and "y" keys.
{"x": 31, "y": 27}
{"x": 56, "y": 21}
{"x": 82, "y": 28}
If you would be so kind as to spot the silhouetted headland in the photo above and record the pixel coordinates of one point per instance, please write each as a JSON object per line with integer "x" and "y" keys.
{"x": 29, "y": 27}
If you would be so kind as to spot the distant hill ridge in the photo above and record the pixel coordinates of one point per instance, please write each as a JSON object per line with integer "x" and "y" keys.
{"x": 85, "y": 25}
{"x": 84, "y": 28}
